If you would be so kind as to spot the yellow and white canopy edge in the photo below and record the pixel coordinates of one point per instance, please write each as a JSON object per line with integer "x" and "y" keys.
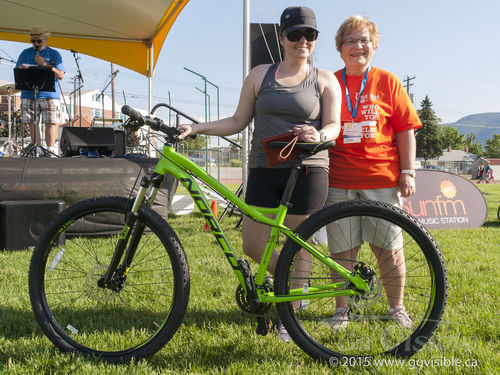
{"x": 129, "y": 33}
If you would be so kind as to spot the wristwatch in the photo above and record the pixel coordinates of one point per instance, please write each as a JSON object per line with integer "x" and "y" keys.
{"x": 411, "y": 172}
{"x": 322, "y": 136}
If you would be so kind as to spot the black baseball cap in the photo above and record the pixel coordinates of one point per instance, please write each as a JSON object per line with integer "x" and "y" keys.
{"x": 294, "y": 18}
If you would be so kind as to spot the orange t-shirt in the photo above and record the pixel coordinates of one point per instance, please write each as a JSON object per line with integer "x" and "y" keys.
{"x": 365, "y": 155}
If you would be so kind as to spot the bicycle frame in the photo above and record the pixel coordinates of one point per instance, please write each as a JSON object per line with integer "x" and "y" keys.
{"x": 184, "y": 169}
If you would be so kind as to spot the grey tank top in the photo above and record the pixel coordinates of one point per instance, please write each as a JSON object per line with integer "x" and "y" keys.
{"x": 279, "y": 108}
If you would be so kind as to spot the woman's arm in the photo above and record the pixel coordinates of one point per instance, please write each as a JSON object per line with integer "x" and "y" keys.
{"x": 407, "y": 148}
{"x": 244, "y": 112}
{"x": 331, "y": 103}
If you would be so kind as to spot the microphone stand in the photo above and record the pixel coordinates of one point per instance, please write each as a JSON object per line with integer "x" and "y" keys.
{"x": 101, "y": 94}
{"x": 9, "y": 60}
{"x": 70, "y": 121}
{"x": 80, "y": 85}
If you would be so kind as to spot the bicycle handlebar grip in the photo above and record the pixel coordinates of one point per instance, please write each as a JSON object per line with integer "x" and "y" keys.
{"x": 129, "y": 111}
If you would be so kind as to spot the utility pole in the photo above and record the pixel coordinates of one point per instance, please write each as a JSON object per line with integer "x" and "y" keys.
{"x": 407, "y": 86}
{"x": 74, "y": 97}
{"x": 113, "y": 113}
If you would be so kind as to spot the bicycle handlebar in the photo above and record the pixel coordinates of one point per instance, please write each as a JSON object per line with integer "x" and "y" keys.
{"x": 155, "y": 124}
{"x": 134, "y": 114}
{"x": 172, "y": 134}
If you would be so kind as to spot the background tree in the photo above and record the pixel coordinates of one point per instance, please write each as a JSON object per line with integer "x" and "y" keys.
{"x": 233, "y": 148}
{"x": 492, "y": 149}
{"x": 473, "y": 146}
{"x": 451, "y": 137}
{"x": 428, "y": 136}
{"x": 199, "y": 143}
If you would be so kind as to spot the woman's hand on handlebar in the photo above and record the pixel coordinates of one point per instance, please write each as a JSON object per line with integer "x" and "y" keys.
{"x": 186, "y": 130}
{"x": 307, "y": 133}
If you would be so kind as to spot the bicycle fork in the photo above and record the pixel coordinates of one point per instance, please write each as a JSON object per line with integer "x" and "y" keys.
{"x": 131, "y": 234}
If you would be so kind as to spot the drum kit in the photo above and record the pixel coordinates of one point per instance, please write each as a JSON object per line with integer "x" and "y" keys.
{"x": 9, "y": 89}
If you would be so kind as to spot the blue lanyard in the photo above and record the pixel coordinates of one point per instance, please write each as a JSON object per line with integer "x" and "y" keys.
{"x": 354, "y": 111}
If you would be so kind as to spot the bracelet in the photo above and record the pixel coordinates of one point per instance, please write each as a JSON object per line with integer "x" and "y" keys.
{"x": 410, "y": 172}
{"x": 322, "y": 136}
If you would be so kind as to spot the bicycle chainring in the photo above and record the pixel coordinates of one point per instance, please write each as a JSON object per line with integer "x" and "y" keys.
{"x": 244, "y": 304}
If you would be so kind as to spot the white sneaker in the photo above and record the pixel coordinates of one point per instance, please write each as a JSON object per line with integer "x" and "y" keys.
{"x": 282, "y": 332}
{"x": 340, "y": 318}
{"x": 400, "y": 316}
{"x": 39, "y": 152}
{"x": 53, "y": 150}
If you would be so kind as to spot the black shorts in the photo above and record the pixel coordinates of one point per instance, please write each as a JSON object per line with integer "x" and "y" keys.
{"x": 265, "y": 188}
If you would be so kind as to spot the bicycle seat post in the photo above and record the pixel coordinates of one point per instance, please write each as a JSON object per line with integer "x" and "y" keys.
{"x": 292, "y": 180}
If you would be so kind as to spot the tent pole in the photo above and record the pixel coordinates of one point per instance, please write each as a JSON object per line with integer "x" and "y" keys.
{"x": 246, "y": 70}
{"x": 150, "y": 96}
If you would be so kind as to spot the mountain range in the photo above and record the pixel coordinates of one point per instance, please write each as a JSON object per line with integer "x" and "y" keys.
{"x": 483, "y": 125}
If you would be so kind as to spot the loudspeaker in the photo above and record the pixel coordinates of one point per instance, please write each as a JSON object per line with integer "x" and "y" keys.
{"x": 120, "y": 143}
{"x": 22, "y": 222}
{"x": 259, "y": 51}
{"x": 82, "y": 141}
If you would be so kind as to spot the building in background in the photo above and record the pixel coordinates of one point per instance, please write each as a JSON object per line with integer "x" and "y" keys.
{"x": 94, "y": 108}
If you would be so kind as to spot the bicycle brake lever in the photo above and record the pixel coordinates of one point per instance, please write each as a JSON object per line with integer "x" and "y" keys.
{"x": 180, "y": 132}
{"x": 132, "y": 125}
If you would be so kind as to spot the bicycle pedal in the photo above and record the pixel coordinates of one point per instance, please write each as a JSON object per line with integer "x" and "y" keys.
{"x": 263, "y": 325}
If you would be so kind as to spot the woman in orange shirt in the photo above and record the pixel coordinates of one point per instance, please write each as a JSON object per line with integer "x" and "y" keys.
{"x": 373, "y": 158}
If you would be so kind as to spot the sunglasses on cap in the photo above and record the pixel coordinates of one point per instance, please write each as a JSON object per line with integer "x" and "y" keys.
{"x": 36, "y": 40}
{"x": 296, "y": 35}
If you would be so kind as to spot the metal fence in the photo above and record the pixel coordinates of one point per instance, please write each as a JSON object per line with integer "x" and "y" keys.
{"x": 457, "y": 167}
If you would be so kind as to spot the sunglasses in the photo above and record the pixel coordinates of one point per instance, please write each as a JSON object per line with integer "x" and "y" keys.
{"x": 36, "y": 40}
{"x": 296, "y": 35}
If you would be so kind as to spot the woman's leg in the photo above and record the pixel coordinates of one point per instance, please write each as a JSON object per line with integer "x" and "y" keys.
{"x": 255, "y": 236}
{"x": 391, "y": 264}
{"x": 347, "y": 259}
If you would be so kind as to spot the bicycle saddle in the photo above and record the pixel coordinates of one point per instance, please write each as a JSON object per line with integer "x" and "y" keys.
{"x": 306, "y": 147}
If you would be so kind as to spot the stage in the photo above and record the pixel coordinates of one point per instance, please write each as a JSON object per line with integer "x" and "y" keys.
{"x": 65, "y": 181}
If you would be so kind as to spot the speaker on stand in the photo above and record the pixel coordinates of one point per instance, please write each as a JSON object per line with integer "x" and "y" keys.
{"x": 120, "y": 143}
{"x": 77, "y": 141}
{"x": 260, "y": 52}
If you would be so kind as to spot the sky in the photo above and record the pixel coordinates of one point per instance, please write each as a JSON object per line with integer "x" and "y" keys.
{"x": 451, "y": 47}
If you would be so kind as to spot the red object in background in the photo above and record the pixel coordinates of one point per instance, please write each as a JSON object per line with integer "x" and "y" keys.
{"x": 213, "y": 207}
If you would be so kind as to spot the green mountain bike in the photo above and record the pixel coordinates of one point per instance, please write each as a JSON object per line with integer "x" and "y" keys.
{"x": 122, "y": 291}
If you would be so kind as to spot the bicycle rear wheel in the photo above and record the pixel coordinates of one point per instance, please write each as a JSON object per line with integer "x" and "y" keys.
{"x": 369, "y": 330}
{"x": 116, "y": 325}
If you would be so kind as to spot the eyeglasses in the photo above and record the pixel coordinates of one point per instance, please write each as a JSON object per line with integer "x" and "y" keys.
{"x": 352, "y": 42}
{"x": 36, "y": 40}
{"x": 296, "y": 35}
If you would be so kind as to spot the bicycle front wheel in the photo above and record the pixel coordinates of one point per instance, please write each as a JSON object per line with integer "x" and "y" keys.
{"x": 132, "y": 321}
{"x": 405, "y": 267}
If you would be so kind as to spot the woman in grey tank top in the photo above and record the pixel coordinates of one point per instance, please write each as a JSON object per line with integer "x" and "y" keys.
{"x": 291, "y": 95}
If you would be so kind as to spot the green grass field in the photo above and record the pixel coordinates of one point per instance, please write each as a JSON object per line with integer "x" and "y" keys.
{"x": 216, "y": 337}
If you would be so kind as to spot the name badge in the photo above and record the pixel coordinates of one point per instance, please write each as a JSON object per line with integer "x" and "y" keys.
{"x": 352, "y": 132}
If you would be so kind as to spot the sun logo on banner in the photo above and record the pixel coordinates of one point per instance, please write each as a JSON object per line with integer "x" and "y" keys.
{"x": 448, "y": 189}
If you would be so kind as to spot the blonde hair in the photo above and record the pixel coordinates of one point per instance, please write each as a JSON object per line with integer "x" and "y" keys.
{"x": 353, "y": 23}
